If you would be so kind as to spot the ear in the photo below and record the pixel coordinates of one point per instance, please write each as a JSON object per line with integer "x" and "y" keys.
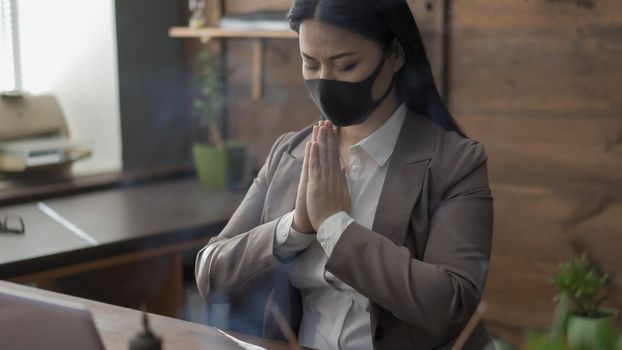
{"x": 398, "y": 55}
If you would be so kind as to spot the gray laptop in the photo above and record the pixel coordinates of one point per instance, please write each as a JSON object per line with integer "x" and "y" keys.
{"x": 30, "y": 322}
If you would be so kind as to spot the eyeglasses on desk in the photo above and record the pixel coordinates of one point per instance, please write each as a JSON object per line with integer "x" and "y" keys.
{"x": 12, "y": 224}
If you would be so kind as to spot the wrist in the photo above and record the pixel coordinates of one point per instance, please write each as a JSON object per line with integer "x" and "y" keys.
{"x": 326, "y": 217}
{"x": 300, "y": 228}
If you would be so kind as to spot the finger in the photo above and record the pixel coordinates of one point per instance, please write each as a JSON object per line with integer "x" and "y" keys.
{"x": 324, "y": 160}
{"x": 329, "y": 125}
{"x": 334, "y": 130}
{"x": 314, "y": 162}
{"x": 333, "y": 155}
{"x": 314, "y": 135}
{"x": 304, "y": 177}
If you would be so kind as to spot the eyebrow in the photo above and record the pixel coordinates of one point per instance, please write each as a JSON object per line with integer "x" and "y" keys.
{"x": 334, "y": 57}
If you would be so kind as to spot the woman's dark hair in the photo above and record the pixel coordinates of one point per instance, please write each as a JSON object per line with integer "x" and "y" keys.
{"x": 383, "y": 21}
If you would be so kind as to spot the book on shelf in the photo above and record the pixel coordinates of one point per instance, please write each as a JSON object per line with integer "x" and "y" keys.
{"x": 276, "y": 21}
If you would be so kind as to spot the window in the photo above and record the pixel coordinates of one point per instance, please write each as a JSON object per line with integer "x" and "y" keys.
{"x": 10, "y": 70}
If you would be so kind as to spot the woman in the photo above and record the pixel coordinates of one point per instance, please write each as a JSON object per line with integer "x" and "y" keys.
{"x": 373, "y": 226}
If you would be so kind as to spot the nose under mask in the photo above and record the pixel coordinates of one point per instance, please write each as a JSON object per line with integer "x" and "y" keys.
{"x": 345, "y": 103}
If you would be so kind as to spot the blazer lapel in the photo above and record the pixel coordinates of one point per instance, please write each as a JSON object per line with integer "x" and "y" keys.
{"x": 284, "y": 185}
{"x": 403, "y": 184}
{"x": 405, "y": 177}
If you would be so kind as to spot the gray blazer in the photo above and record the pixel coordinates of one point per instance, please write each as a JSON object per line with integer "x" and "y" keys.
{"x": 424, "y": 264}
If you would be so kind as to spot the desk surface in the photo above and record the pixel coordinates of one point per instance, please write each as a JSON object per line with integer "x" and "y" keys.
{"x": 117, "y": 325}
{"x": 114, "y": 221}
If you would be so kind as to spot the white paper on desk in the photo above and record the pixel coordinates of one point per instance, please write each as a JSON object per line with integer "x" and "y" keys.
{"x": 243, "y": 345}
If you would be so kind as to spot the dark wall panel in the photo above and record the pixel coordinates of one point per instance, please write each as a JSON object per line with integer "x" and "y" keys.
{"x": 153, "y": 87}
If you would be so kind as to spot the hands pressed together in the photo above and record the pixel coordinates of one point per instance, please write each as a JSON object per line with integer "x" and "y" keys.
{"x": 323, "y": 188}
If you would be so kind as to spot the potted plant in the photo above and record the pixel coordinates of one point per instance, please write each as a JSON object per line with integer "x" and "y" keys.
{"x": 588, "y": 325}
{"x": 579, "y": 322}
{"x": 218, "y": 163}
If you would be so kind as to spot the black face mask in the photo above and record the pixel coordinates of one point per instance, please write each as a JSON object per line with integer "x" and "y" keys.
{"x": 345, "y": 103}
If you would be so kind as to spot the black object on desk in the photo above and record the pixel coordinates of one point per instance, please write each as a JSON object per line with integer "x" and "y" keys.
{"x": 12, "y": 224}
{"x": 146, "y": 340}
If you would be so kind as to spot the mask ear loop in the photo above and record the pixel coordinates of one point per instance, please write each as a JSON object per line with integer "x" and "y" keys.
{"x": 384, "y": 61}
{"x": 391, "y": 48}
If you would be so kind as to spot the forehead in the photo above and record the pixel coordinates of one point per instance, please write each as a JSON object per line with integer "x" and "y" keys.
{"x": 317, "y": 39}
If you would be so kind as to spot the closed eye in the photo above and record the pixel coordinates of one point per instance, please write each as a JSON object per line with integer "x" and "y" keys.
{"x": 348, "y": 67}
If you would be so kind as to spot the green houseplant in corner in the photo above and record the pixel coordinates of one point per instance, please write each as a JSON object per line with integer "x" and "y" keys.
{"x": 218, "y": 163}
{"x": 588, "y": 325}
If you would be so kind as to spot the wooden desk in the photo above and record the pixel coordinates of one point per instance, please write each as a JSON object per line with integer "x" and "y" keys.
{"x": 115, "y": 228}
{"x": 117, "y": 325}
{"x": 121, "y": 221}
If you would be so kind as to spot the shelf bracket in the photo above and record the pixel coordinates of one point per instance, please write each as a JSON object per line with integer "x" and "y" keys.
{"x": 258, "y": 66}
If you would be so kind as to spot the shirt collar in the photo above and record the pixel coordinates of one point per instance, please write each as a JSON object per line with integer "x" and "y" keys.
{"x": 380, "y": 144}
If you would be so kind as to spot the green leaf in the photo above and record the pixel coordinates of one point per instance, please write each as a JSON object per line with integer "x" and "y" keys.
{"x": 581, "y": 284}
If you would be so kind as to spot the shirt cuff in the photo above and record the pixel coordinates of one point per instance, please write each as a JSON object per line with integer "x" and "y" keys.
{"x": 289, "y": 242}
{"x": 331, "y": 230}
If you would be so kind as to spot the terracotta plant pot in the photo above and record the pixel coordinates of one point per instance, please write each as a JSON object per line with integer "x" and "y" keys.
{"x": 219, "y": 168}
{"x": 592, "y": 333}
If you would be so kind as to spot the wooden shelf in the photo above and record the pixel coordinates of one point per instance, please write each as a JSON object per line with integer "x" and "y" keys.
{"x": 208, "y": 33}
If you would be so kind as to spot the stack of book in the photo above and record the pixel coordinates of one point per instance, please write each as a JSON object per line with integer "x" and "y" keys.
{"x": 256, "y": 21}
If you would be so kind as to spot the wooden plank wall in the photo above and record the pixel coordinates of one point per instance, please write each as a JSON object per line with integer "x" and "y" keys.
{"x": 540, "y": 84}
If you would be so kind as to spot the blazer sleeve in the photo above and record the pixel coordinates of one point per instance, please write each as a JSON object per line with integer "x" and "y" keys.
{"x": 440, "y": 292}
{"x": 241, "y": 256}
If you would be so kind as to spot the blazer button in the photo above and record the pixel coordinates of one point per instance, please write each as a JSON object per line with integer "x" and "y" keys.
{"x": 379, "y": 334}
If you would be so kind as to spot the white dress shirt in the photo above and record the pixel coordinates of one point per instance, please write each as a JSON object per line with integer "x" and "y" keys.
{"x": 335, "y": 316}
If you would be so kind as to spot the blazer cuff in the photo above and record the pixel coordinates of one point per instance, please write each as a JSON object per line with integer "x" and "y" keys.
{"x": 289, "y": 242}
{"x": 331, "y": 230}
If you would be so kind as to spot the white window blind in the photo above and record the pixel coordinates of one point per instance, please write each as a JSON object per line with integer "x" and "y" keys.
{"x": 10, "y": 69}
